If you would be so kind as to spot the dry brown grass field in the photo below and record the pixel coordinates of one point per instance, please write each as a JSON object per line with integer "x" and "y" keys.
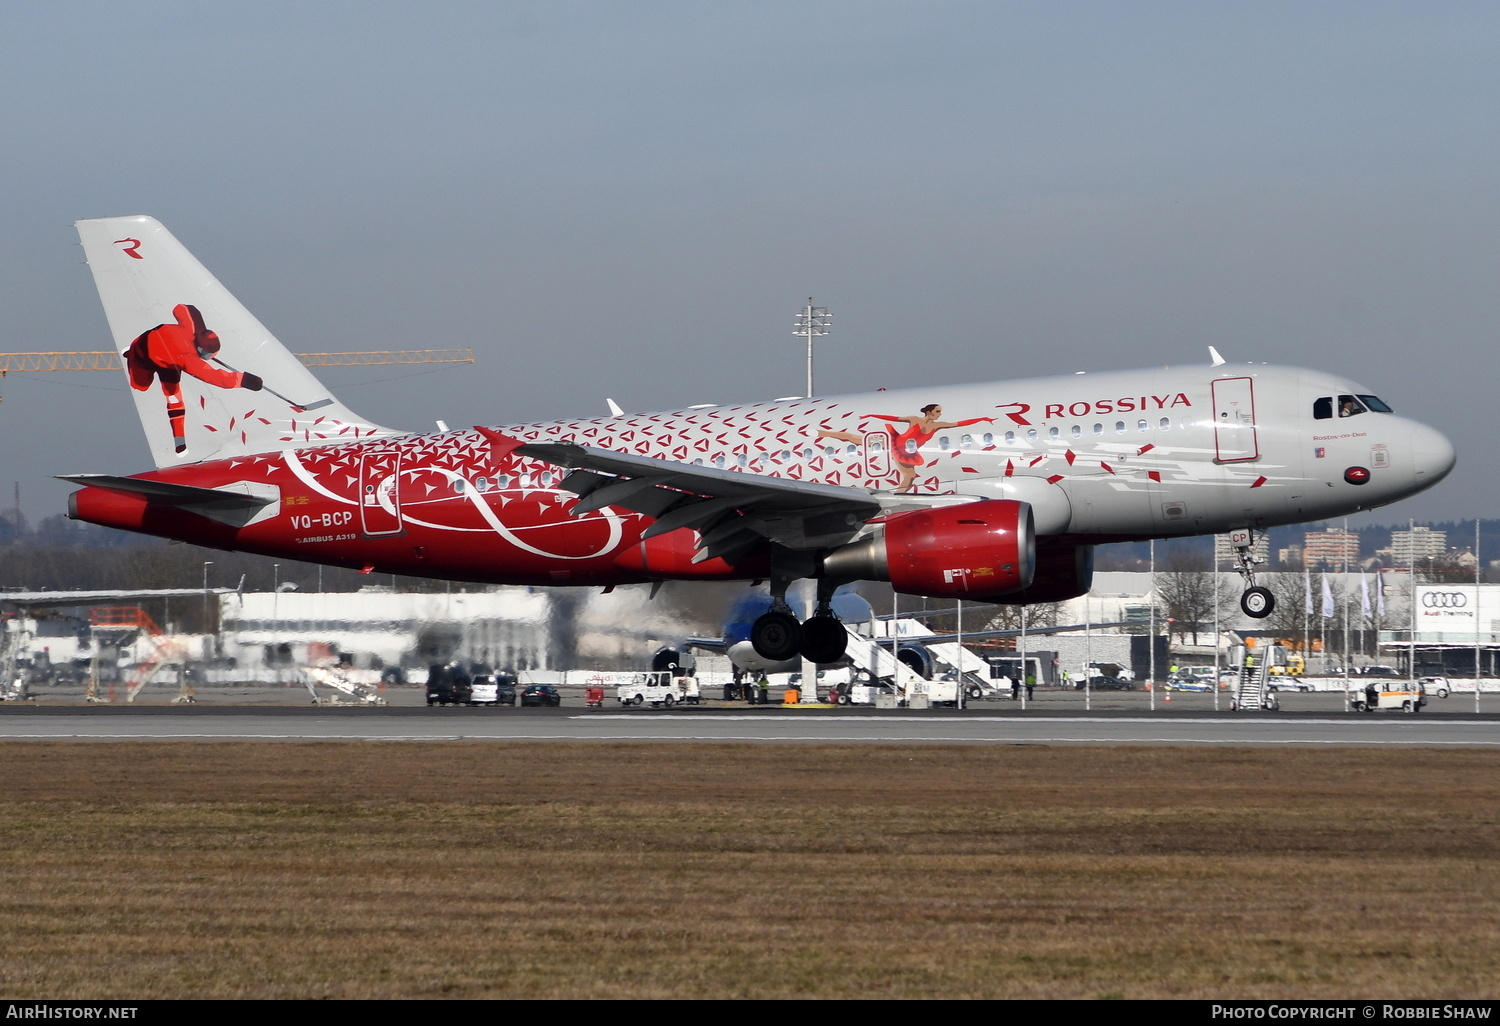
{"x": 584, "y": 870}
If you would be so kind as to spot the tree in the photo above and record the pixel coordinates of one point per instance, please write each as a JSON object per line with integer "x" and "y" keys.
{"x": 1185, "y": 594}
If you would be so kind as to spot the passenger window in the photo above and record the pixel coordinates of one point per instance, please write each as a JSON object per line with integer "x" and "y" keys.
{"x": 966, "y": 442}
{"x": 1142, "y": 426}
{"x": 943, "y": 442}
{"x": 1053, "y": 433}
{"x": 1077, "y": 430}
{"x": 989, "y": 439}
{"x": 1010, "y": 438}
{"x": 1031, "y": 435}
{"x": 1166, "y": 423}
{"x": 1098, "y": 430}
{"x": 1323, "y": 408}
{"x": 1119, "y": 427}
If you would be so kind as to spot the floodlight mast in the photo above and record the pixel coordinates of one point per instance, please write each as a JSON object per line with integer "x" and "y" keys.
{"x": 812, "y": 322}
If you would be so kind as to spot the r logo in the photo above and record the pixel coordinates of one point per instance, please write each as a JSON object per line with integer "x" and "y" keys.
{"x": 130, "y": 250}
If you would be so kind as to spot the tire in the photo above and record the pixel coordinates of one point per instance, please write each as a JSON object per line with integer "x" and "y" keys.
{"x": 776, "y": 636}
{"x": 669, "y": 701}
{"x": 638, "y": 700}
{"x": 1442, "y": 692}
{"x": 1258, "y": 603}
{"x": 824, "y": 639}
{"x": 844, "y": 700}
{"x": 976, "y": 692}
{"x": 1406, "y": 707}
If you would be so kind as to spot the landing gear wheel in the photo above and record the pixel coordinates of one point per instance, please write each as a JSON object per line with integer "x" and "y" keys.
{"x": 824, "y": 639}
{"x": 776, "y": 636}
{"x": 1258, "y": 602}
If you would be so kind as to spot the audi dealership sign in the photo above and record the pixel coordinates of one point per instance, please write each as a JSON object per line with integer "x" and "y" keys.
{"x": 1453, "y": 608}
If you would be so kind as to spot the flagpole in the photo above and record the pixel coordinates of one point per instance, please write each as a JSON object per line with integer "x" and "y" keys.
{"x": 1217, "y": 630}
{"x": 1411, "y": 563}
{"x": 1478, "y": 564}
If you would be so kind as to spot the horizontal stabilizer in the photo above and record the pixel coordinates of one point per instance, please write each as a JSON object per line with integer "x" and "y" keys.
{"x": 175, "y": 494}
{"x": 238, "y": 504}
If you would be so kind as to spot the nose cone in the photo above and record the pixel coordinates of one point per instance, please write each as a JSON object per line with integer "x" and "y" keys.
{"x": 1432, "y": 455}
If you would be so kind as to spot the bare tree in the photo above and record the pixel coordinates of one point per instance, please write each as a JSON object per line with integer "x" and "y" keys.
{"x": 1185, "y": 595}
{"x": 1008, "y": 618}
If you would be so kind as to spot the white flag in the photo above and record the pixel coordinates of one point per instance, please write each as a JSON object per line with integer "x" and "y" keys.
{"x": 1364, "y": 595}
{"x": 1327, "y": 599}
{"x": 1307, "y": 580}
{"x": 1379, "y": 597}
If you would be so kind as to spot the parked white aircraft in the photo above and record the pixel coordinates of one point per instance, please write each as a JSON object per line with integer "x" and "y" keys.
{"x": 994, "y": 492}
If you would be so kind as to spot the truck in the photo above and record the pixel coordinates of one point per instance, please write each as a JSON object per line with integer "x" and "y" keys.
{"x": 659, "y": 688}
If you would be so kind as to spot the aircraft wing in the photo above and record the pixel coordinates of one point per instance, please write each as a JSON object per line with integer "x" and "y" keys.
{"x": 1012, "y": 632}
{"x": 731, "y": 510}
{"x": 89, "y": 598}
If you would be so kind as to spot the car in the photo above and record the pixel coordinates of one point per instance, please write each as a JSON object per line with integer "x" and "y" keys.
{"x": 540, "y": 694}
{"x": 448, "y": 685}
{"x": 493, "y": 689}
{"x": 1435, "y": 686}
{"x": 1288, "y": 684}
{"x": 1181, "y": 683}
{"x": 1102, "y": 683}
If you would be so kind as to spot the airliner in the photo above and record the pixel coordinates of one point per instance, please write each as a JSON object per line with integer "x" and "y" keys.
{"x": 993, "y": 492}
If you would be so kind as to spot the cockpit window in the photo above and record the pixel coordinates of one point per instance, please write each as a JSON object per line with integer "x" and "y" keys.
{"x": 1323, "y": 408}
{"x": 1350, "y": 406}
{"x": 1375, "y": 404}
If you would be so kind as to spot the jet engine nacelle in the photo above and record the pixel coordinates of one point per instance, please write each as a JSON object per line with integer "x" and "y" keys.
{"x": 982, "y": 548}
{"x": 1062, "y": 572}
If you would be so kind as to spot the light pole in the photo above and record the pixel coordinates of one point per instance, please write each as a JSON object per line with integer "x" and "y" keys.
{"x": 812, "y": 322}
{"x": 206, "y": 564}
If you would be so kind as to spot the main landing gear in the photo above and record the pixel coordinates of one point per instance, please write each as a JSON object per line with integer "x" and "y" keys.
{"x": 1256, "y": 602}
{"x": 821, "y": 638}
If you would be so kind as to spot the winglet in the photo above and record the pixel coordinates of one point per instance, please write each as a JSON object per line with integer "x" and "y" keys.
{"x": 614, "y": 408}
{"x": 1218, "y": 360}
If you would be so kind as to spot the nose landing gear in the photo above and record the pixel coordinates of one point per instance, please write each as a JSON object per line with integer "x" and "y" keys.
{"x": 1256, "y": 602}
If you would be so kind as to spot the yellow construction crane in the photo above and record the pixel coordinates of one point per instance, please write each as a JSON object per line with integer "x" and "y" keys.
{"x": 107, "y": 361}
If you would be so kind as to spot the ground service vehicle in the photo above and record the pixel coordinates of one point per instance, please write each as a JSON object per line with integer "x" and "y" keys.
{"x": 1385, "y": 697}
{"x": 659, "y": 689}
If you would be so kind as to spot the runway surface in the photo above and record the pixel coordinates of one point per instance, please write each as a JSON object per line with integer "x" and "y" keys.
{"x": 741, "y": 724}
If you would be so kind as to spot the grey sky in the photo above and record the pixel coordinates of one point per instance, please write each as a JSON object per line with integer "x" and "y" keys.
{"x": 632, "y": 199}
